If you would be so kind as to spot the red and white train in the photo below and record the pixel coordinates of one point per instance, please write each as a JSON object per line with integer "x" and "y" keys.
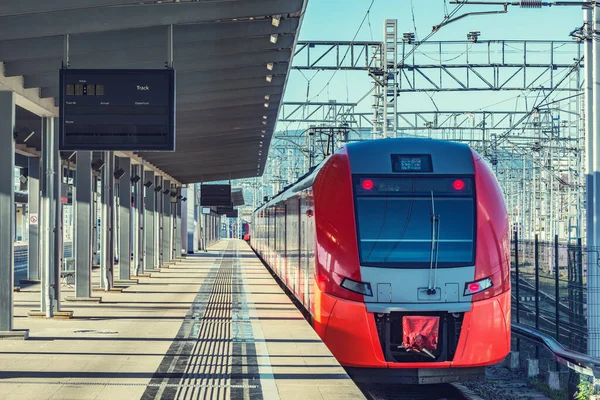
{"x": 400, "y": 251}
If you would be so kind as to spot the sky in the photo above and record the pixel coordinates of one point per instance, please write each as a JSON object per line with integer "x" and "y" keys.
{"x": 339, "y": 20}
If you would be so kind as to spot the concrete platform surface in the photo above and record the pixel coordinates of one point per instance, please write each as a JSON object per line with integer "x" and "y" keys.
{"x": 214, "y": 325}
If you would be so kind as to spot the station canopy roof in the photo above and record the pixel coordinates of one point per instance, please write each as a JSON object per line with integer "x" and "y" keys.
{"x": 223, "y": 51}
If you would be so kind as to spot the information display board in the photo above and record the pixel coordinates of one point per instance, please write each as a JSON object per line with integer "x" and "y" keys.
{"x": 222, "y": 210}
{"x": 116, "y": 109}
{"x": 232, "y": 214}
{"x": 215, "y": 195}
{"x": 237, "y": 197}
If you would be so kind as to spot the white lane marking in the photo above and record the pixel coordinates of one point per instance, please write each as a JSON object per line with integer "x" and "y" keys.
{"x": 267, "y": 379}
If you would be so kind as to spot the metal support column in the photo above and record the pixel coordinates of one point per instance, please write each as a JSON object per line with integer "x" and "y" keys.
{"x": 390, "y": 71}
{"x": 176, "y": 207}
{"x": 125, "y": 219}
{"x": 83, "y": 224}
{"x": 173, "y": 241}
{"x": 141, "y": 238}
{"x": 57, "y": 215}
{"x": 33, "y": 189}
{"x": 45, "y": 220}
{"x": 187, "y": 219}
{"x": 158, "y": 220}
{"x": 150, "y": 226}
{"x": 111, "y": 200}
{"x": 133, "y": 218}
{"x": 166, "y": 231}
{"x": 179, "y": 226}
{"x": 7, "y": 213}
{"x": 95, "y": 217}
{"x": 594, "y": 208}
{"x": 107, "y": 258}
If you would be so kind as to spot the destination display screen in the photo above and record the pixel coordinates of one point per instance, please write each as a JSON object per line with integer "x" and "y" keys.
{"x": 109, "y": 110}
{"x": 411, "y": 163}
{"x": 215, "y": 195}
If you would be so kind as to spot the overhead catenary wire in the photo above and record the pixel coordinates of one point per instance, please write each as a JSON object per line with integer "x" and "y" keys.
{"x": 436, "y": 29}
{"x": 446, "y": 18}
{"x": 537, "y": 106}
{"x": 347, "y": 50}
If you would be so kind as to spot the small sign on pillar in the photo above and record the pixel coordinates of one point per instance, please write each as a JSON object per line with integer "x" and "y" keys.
{"x": 33, "y": 219}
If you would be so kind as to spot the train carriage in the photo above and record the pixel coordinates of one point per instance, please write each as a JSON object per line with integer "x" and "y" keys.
{"x": 399, "y": 250}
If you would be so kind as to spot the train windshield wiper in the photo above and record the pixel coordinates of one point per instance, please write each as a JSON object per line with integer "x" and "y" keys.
{"x": 435, "y": 247}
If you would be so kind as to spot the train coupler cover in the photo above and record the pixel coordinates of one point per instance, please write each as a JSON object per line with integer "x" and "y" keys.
{"x": 420, "y": 334}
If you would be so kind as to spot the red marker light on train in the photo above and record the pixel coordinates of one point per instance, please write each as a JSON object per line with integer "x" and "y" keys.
{"x": 367, "y": 184}
{"x": 458, "y": 184}
{"x": 477, "y": 286}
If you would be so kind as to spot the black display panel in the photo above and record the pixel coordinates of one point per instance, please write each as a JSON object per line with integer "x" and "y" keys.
{"x": 115, "y": 109}
{"x": 411, "y": 163}
{"x": 237, "y": 197}
{"x": 232, "y": 214}
{"x": 215, "y": 195}
{"x": 221, "y": 210}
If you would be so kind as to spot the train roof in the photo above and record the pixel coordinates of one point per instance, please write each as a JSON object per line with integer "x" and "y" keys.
{"x": 365, "y": 158}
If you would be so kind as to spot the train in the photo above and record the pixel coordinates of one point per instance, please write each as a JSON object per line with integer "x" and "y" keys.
{"x": 398, "y": 250}
{"x": 245, "y": 230}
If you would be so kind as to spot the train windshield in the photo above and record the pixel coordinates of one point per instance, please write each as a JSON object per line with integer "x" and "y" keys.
{"x": 415, "y": 221}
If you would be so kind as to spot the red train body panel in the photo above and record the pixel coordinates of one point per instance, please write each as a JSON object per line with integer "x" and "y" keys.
{"x": 399, "y": 249}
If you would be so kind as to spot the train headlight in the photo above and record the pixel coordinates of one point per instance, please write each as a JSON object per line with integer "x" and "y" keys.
{"x": 477, "y": 286}
{"x": 357, "y": 287}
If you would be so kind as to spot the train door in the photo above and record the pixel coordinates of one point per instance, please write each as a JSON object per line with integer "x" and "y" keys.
{"x": 301, "y": 240}
{"x": 269, "y": 235}
{"x": 280, "y": 254}
{"x": 293, "y": 243}
{"x": 309, "y": 260}
{"x": 284, "y": 271}
{"x": 298, "y": 287}
{"x": 273, "y": 250}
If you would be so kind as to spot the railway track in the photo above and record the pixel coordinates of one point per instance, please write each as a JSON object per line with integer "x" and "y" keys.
{"x": 413, "y": 392}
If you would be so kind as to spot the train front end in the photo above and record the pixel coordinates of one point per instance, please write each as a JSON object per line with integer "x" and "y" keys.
{"x": 413, "y": 261}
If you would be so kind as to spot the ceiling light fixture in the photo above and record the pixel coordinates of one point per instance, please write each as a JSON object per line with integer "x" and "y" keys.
{"x": 267, "y": 96}
{"x": 97, "y": 164}
{"x": 273, "y": 38}
{"x": 275, "y": 20}
{"x": 266, "y": 105}
{"x": 270, "y": 66}
{"x": 119, "y": 173}
{"x": 269, "y": 78}
{"x": 31, "y": 132}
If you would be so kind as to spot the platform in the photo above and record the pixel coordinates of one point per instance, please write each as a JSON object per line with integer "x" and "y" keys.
{"x": 215, "y": 325}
